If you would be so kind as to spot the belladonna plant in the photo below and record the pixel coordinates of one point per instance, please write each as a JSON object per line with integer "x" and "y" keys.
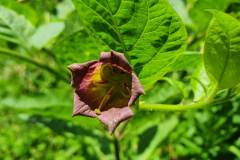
{"x": 105, "y": 89}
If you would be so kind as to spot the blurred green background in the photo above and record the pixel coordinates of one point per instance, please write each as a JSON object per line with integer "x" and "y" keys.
{"x": 39, "y": 38}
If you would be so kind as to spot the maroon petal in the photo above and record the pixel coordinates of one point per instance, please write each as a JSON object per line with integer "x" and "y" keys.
{"x": 78, "y": 72}
{"x": 115, "y": 58}
{"x": 81, "y": 108}
{"x": 137, "y": 89}
{"x": 112, "y": 117}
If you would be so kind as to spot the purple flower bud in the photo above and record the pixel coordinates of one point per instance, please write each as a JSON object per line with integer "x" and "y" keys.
{"x": 105, "y": 89}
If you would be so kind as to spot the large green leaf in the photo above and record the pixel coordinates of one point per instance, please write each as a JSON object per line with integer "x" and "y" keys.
{"x": 149, "y": 32}
{"x": 222, "y": 50}
{"x": 14, "y": 27}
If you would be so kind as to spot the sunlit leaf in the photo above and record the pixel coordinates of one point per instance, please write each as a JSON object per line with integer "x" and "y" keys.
{"x": 46, "y": 33}
{"x": 181, "y": 9}
{"x": 222, "y": 50}
{"x": 199, "y": 82}
{"x": 65, "y": 8}
{"x": 26, "y": 10}
{"x": 163, "y": 130}
{"x": 235, "y": 150}
{"x": 237, "y": 90}
{"x": 18, "y": 26}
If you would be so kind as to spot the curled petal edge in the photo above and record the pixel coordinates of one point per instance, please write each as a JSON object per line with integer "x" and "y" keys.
{"x": 114, "y": 116}
{"x": 81, "y": 108}
{"x": 115, "y": 58}
{"x": 78, "y": 71}
{"x": 110, "y": 118}
{"x": 137, "y": 89}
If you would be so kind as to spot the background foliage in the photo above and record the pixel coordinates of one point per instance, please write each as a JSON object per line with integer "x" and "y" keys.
{"x": 182, "y": 50}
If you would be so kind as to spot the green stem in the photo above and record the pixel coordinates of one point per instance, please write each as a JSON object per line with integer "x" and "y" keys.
{"x": 171, "y": 107}
{"x": 178, "y": 107}
{"x": 181, "y": 107}
{"x": 116, "y": 148}
{"x": 13, "y": 54}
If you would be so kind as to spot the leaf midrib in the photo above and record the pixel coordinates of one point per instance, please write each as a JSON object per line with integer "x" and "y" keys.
{"x": 113, "y": 26}
{"x": 228, "y": 53}
{"x": 157, "y": 52}
{"x": 116, "y": 26}
{"x": 118, "y": 8}
{"x": 110, "y": 25}
{"x": 145, "y": 25}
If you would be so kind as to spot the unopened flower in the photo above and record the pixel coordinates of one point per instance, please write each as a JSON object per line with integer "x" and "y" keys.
{"x": 105, "y": 89}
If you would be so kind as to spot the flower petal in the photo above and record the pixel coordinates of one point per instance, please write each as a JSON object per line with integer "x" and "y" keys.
{"x": 112, "y": 117}
{"x": 115, "y": 58}
{"x": 78, "y": 72}
{"x": 81, "y": 108}
{"x": 137, "y": 89}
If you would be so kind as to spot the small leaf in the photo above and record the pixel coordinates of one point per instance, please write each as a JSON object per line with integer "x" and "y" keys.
{"x": 45, "y": 33}
{"x": 235, "y": 150}
{"x": 18, "y": 27}
{"x": 179, "y": 85}
{"x": 199, "y": 83}
{"x": 64, "y": 8}
{"x": 237, "y": 90}
{"x": 222, "y": 50}
{"x": 26, "y": 10}
{"x": 164, "y": 129}
{"x": 187, "y": 60}
{"x": 181, "y": 9}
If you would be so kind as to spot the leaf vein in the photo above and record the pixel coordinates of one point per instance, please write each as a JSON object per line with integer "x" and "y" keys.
{"x": 114, "y": 29}
{"x": 145, "y": 26}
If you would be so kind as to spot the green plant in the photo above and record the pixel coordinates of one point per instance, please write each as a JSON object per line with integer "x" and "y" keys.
{"x": 185, "y": 53}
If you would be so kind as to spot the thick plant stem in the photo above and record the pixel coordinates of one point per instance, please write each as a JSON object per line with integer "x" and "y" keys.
{"x": 15, "y": 55}
{"x": 116, "y": 148}
{"x": 171, "y": 107}
{"x": 181, "y": 107}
